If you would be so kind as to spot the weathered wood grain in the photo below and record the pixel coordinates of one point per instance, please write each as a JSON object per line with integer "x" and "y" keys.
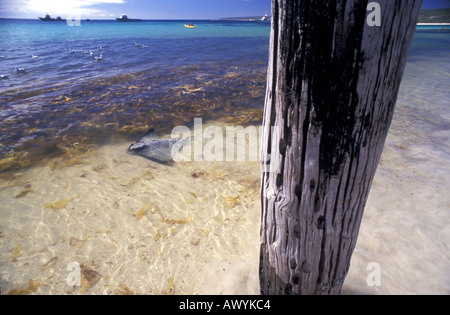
{"x": 331, "y": 91}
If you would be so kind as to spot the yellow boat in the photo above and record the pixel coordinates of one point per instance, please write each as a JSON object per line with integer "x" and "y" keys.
{"x": 190, "y": 26}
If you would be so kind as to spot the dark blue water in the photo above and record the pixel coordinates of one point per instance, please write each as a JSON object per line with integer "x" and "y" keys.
{"x": 166, "y": 44}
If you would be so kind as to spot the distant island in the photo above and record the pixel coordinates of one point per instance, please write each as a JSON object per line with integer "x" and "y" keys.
{"x": 435, "y": 16}
{"x": 264, "y": 18}
{"x": 124, "y": 18}
{"x": 426, "y": 16}
{"x": 48, "y": 18}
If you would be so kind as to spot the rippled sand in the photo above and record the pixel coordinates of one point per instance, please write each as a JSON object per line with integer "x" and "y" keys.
{"x": 191, "y": 228}
{"x": 405, "y": 227}
{"x": 138, "y": 227}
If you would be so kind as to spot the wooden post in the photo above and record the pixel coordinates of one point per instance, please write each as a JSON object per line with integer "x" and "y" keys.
{"x": 333, "y": 80}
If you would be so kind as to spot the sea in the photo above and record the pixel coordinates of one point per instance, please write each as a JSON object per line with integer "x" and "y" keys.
{"x": 148, "y": 72}
{"x": 79, "y": 215}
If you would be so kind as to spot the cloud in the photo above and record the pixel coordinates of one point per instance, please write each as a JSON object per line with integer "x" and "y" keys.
{"x": 58, "y": 8}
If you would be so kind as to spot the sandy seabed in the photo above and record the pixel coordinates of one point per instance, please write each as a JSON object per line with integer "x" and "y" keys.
{"x": 133, "y": 226}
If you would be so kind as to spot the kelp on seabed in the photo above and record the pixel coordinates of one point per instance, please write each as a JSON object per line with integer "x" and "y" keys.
{"x": 63, "y": 128}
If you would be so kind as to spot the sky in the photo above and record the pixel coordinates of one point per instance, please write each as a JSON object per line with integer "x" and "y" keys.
{"x": 148, "y": 9}
{"x": 436, "y": 4}
{"x": 145, "y": 9}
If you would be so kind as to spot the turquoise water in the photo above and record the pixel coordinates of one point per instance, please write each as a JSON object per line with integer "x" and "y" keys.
{"x": 158, "y": 74}
{"x": 441, "y": 28}
{"x": 150, "y": 72}
{"x": 165, "y": 43}
{"x": 192, "y": 228}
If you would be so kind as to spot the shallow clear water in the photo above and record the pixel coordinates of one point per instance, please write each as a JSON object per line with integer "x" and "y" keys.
{"x": 71, "y": 194}
{"x": 149, "y": 72}
{"x": 405, "y": 228}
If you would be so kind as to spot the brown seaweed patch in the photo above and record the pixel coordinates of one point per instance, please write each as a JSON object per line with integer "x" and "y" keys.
{"x": 108, "y": 231}
{"x": 170, "y": 287}
{"x": 100, "y": 167}
{"x": 89, "y": 277}
{"x": 32, "y": 287}
{"x": 56, "y": 153}
{"x": 242, "y": 117}
{"x": 231, "y": 201}
{"x": 10, "y": 176}
{"x": 231, "y": 75}
{"x": 7, "y": 163}
{"x": 162, "y": 219}
{"x": 50, "y": 262}
{"x": 401, "y": 147}
{"x": 188, "y": 89}
{"x": 201, "y": 234}
{"x": 123, "y": 289}
{"x": 61, "y": 99}
{"x": 217, "y": 173}
{"x": 234, "y": 95}
{"x": 27, "y": 189}
{"x": 77, "y": 242}
{"x": 141, "y": 213}
{"x": 131, "y": 130}
{"x": 251, "y": 186}
{"x": 72, "y": 155}
{"x": 179, "y": 222}
{"x": 15, "y": 161}
{"x": 158, "y": 235}
{"x": 59, "y": 205}
{"x": 193, "y": 194}
{"x": 16, "y": 252}
{"x": 135, "y": 179}
{"x": 198, "y": 174}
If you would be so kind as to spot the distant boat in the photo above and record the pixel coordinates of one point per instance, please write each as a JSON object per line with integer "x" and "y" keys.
{"x": 124, "y": 18}
{"x": 48, "y": 18}
{"x": 265, "y": 18}
{"x": 190, "y": 26}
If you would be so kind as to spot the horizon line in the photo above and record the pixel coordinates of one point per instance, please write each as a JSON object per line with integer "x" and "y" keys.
{"x": 149, "y": 19}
